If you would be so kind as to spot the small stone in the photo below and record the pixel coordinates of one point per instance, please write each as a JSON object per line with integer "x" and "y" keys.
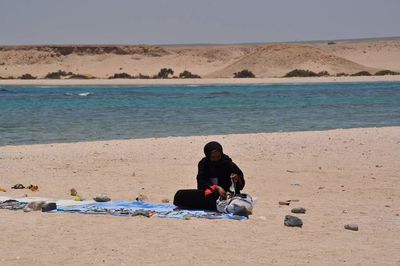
{"x": 284, "y": 203}
{"x": 74, "y": 193}
{"x": 299, "y": 210}
{"x": 293, "y": 221}
{"x": 352, "y": 227}
{"x": 101, "y": 198}
{"x": 263, "y": 218}
{"x": 387, "y": 206}
{"x": 321, "y": 187}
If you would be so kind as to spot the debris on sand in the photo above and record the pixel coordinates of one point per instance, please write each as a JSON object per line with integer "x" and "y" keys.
{"x": 353, "y": 227}
{"x": 298, "y": 210}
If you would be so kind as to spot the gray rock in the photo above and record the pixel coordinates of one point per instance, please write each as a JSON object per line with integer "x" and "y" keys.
{"x": 293, "y": 221}
{"x": 352, "y": 227}
{"x": 284, "y": 203}
{"x": 101, "y": 198}
{"x": 298, "y": 210}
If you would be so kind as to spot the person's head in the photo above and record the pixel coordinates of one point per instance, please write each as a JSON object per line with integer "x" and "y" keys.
{"x": 213, "y": 151}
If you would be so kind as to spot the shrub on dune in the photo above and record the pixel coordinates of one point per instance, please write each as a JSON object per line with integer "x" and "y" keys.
{"x": 342, "y": 74}
{"x": 27, "y": 76}
{"x": 301, "y": 73}
{"x": 164, "y": 73}
{"x": 361, "y": 73}
{"x": 122, "y": 75}
{"x": 56, "y": 75}
{"x": 244, "y": 74}
{"x": 188, "y": 75}
{"x": 386, "y": 72}
{"x": 80, "y": 76}
{"x": 323, "y": 73}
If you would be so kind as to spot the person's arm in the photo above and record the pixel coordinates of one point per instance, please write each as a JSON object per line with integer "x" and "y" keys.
{"x": 239, "y": 177}
{"x": 203, "y": 181}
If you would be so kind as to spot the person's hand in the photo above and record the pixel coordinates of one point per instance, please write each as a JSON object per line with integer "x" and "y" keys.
{"x": 221, "y": 192}
{"x": 234, "y": 177}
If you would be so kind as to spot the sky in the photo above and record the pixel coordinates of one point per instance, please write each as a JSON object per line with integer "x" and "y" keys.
{"x": 194, "y": 22}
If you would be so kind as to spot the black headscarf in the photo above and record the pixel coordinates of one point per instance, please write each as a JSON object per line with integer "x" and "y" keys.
{"x": 212, "y": 146}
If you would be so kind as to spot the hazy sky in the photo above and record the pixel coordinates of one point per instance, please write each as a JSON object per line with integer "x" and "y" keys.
{"x": 188, "y": 21}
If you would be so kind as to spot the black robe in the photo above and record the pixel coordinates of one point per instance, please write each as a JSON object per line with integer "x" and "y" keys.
{"x": 221, "y": 170}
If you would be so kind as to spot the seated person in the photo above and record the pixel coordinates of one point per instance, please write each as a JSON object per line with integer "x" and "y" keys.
{"x": 217, "y": 175}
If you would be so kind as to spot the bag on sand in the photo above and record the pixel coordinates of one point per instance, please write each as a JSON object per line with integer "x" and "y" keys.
{"x": 239, "y": 204}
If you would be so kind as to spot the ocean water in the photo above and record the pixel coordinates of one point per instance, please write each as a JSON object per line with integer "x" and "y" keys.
{"x": 47, "y": 114}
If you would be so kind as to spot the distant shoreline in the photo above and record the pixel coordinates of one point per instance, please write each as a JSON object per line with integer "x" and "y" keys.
{"x": 206, "y": 81}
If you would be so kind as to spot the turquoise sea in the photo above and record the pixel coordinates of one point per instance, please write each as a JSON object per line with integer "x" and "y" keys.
{"x": 47, "y": 114}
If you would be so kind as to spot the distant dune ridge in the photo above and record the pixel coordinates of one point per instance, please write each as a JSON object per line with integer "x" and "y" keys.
{"x": 208, "y": 61}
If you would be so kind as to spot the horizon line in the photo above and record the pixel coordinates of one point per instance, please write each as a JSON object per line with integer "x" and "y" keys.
{"x": 206, "y": 44}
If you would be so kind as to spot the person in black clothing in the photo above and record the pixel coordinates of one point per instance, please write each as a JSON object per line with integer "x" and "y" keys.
{"x": 216, "y": 173}
{"x": 217, "y": 169}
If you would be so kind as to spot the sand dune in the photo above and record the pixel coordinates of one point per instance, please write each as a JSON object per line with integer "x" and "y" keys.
{"x": 277, "y": 60}
{"x": 269, "y": 60}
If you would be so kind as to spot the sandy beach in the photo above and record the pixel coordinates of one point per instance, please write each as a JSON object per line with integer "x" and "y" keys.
{"x": 340, "y": 176}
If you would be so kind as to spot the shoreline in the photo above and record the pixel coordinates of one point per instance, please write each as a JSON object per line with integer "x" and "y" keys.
{"x": 219, "y": 136}
{"x": 205, "y": 81}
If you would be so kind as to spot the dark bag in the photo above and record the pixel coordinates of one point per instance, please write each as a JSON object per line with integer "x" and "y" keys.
{"x": 195, "y": 199}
